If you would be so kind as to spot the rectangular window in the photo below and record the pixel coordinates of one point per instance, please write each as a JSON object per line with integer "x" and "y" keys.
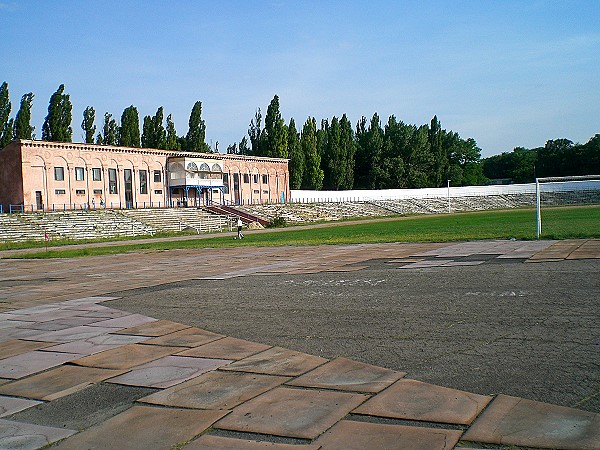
{"x": 255, "y": 178}
{"x": 246, "y": 178}
{"x": 226, "y": 183}
{"x": 97, "y": 191}
{"x": 143, "y": 182}
{"x": 59, "y": 173}
{"x": 265, "y": 179}
{"x": 79, "y": 176}
{"x": 112, "y": 181}
{"x": 59, "y": 191}
{"x": 157, "y": 176}
{"x": 96, "y": 174}
{"x": 158, "y": 191}
{"x": 79, "y": 191}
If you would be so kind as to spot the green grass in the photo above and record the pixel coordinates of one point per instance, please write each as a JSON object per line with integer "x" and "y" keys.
{"x": 558, "y": 223}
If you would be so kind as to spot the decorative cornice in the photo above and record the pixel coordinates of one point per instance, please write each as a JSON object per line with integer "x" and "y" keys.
{"x": 143, "y": 151}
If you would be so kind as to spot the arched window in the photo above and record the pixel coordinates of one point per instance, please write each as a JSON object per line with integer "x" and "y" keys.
{"x": 216, "y": 168}
{"x": 192, "y": 166}
{"x": 204, "y": 167}
{"x": 176, "y": 167}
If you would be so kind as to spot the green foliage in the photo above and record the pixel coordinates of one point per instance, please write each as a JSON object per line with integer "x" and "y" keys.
{"x": 23, "y": 128}
{"x": 558, "y": 158}
{"x": 296, "y": 163}
{"x": 129, "y": 133}
{"x": 347, "y": 152}
{"x": 277, "y": 222}
{"x": 89, "y": 116}
{"x": 154, "y": 134}
{"x": 110, "y": 131}
{"x": 254, "y": 132}
{"x": 57, "y": 125}
{"x": 172, "y": 140}
{"x": 275, "y": 132}
{"x": 6, "y": 124}
{"x": 196, "y": 135}
{"x": 313, "y": 174}
{"x": 243, "y": 148}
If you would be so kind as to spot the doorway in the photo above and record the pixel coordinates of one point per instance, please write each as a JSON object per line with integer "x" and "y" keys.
{"x": 39, "y": 202}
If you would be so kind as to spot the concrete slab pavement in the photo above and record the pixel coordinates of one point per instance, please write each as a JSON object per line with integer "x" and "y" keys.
{"x": 253, "y": 395}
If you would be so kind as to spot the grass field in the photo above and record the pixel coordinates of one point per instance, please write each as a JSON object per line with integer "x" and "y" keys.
{"x": 558, "y": 223}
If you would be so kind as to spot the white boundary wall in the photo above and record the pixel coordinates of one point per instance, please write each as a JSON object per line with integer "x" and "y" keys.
{"x": 303, "y": 196}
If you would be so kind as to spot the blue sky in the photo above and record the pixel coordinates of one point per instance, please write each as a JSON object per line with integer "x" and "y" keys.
{"x": 506, "y": 73}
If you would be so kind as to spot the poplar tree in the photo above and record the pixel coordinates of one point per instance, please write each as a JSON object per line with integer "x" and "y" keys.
{"x": 254, "y": 132}
{"x": 435, "y": 136}
{"x": 6, "y": 124}
{"x": 275, "y": 132}
{"x": 110, "y": 131}
{"x": 154, "y": 134}
{"x": 172, "y": 142}
{"x": 243, "y": 148}
{"x": 196, "y": 135}
{"x": 362, "y": 161}
{"x": 89, "y": 116}
{"x": 313, "y": 174}
{"x": 57, "y": 125}
{"x": 129, "y": 135}
{"x": 348, "y": 150}
{"x": 23, "y": 128}
{"x": 296, "y": 163}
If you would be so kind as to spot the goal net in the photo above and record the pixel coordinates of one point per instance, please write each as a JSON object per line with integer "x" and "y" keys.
{"x": 565, "y": 191}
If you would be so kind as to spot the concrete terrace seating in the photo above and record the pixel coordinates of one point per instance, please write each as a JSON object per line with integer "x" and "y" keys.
{"x": 439, "y": 205}
{"x": 180, "y": 219}
{"x": 313, "y": 212}
{"x": 13, "y": 229}
{"x": 92, "y": 224}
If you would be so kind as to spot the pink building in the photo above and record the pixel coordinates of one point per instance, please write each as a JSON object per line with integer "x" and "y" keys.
{"x": 55, "y": 175}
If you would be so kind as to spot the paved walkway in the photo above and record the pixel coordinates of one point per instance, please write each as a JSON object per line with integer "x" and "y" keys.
{"x": 85, "y": 375}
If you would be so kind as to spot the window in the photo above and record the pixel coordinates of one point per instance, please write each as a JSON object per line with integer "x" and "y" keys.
{"x": 246, "y": 178}
{"x": 226, "y": 183}
{"x": 158, "y": 191}
{"x": 255, "y": 178}
{"x": 112, "y": 181}
{"x": 79, "y": 191}
{"x": 79, "y": 174}
{"x": 265, "y": 179}
{"x": 143, "y": 182}
{"x": 97, "y": 191}
{"x": 59, "y": 191}
{"x": 96, "y": 174}
{"x": 157, "y": 176}
{"x": 59, "y": 173}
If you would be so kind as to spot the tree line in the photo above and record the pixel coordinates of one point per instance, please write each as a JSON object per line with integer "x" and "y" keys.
{"x": 557, "y": 158}
{"x": 332, "y": 154}
{"x": 57, "y": 125}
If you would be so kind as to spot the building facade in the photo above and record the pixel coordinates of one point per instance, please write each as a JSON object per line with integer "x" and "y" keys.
{"x": 40, "y": 175}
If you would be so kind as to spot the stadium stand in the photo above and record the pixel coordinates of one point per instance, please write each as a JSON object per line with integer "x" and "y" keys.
{"x": 93, "y": 224}
{"x": 181, "y": 219}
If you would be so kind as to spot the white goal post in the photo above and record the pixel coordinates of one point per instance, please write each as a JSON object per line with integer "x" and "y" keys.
{"x": 572, "y": 190}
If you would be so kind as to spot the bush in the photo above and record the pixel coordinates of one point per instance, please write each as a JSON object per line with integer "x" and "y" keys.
{"x": 277, "y": 222}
